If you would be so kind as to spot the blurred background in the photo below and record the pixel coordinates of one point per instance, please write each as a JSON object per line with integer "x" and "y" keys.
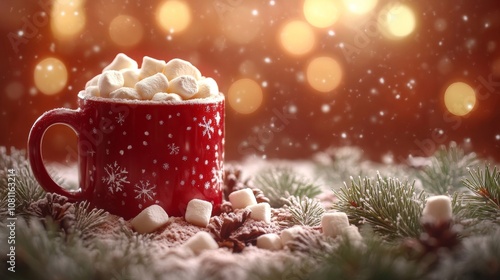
{"x": 395, "y": 78}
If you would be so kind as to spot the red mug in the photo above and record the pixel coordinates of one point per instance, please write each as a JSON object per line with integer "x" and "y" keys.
{"x": 132, "y": 154}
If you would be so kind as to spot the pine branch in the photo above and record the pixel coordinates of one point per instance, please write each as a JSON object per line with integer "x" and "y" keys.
{"x": 336, "y": 166}
{"x": 447, "y": 170}
{"x": 27, "y": 189}
{"x": 484, "y": 201}
{"x": 87, "y": 219}
{"x": 303, "y": 211}
{"x": 279, "y": 183}
{"x": 375, "y": 260}
{"x": 393, "y": 208}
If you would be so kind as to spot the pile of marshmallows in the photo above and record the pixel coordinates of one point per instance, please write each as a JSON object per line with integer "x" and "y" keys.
{"x": 157, "y": 80}
{"x": 198, "y": 213}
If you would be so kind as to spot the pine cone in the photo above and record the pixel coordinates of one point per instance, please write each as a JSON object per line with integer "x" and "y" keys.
{"x": 223, "y": 226}
{"x": 57, "y": 207}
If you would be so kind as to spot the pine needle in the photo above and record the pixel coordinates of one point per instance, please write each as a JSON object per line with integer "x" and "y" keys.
{"x": 391, "y": 207}
{"x": 447, "y": 170}
{"x": 303, "y": 211}
{"x": 86, "y": 220}
{"x": 280, "y": 183}
{"x": 484, "y": 201}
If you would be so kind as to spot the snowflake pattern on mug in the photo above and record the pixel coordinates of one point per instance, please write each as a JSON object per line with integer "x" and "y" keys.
{"x": 144, "y": 190}
{"x": 116, "y": 177}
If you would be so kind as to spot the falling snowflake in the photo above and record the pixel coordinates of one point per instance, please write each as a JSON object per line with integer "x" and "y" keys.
{"x": 144, "y": 190}
{"x": 115, "y": 177}
{"x": 173, "y": 149}
{"x": 120, "y": 119}
{"x": 207, "y": 127}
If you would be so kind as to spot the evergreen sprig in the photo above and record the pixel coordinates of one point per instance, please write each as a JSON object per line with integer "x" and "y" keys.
{"x": 392, "y": 207}
{"x": 484, "y": 201}
{"x": 447, "y": 169}
{"x": 87, "y": 218}
{"x": 303, "y": 211}
{"x": 279, "y": 183}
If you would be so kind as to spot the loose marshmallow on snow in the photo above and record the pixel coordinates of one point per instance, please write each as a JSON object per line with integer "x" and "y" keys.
{"x": 261, "y": 212}
{"x": 437, "y": 209}
{"x": 178, "y": 67}
{"x": 109, "y": 81}
{"x": 198, "y": 212}
{"x": 130, "y": 77}
{"x": 120, "y": 62}
{"x": 206, "y": 87}
{"x": 334, "y": 223}
{"x": 290, "y": 234}
{"x": 151, "y": 66}
{"x": 185, "y": 86}
{"x": 150, "y": 219}
{"x": 352, "y": 233}
{"x": 201, "y": 241}
{"x": 125, "y": 93}
{"x": 269, "y": 241}
{"x": 242, "y": 198}
{"x": 163, "y": 96}
{"x": 147, "y": 87}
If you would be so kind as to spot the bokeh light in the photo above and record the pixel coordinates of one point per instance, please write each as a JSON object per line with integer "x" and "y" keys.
{"x": 321, "y": 13}
{"x": 50, "y": 75}
{"x": 241, "y": 24}
{"x": 459, "y": 98}
{"x": 125, "y": 30}
{"x": 67, "y": 18}
{"x": 173, "y": 16}
{"x": 245, "y": 96}
{"x": 396, "y": 21}
{"x": 324, "y": 74}
{"x": 297, "y": 37}
{"x": 360, "y": 6}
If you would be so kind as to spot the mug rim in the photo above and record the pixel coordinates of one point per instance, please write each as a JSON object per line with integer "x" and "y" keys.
{"x": 201, "y": 101}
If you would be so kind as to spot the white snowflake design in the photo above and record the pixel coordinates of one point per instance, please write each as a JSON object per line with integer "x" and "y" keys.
{"x": 120, "y": 119}
{"x": 166, "y": 166}
{"x": 115, "y": 178}
{"x": 207, "y": 127}
{"x": 217, "y": 173}
{"x": 144, "y": 190}
{"x": 173, "y": 149}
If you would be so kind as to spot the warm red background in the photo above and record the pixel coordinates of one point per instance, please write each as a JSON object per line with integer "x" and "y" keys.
{"x": 469, "y": 51}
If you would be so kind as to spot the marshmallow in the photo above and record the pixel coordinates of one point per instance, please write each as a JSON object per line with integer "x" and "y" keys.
{"x": 109, "y": 81}
{"x": 147, "y": 87}
{"x": 352, "y": 233}
{"x": 163, "y": 96}
{"x": 92, "y": 91}
{"x": 198, "y": 212}
{"x": 334, "y": 223}
{"x": 437, "y": 209}
{"x": 185, "y": 86}
{"x": 269, "y": 241}
{"x": 125, "y": 93}
{"x": 151, "y": 66}
{"x": 261, "y": 212}
{"x": 201, "y": 241}
{"x": 120, "y": 62}
{"x": 178, "y": 67}
{"x": 206, "y": 87}
{"x": 150, "y": 219}
{"x": 130, "y": 77}
{"x": 242, "y": 198}
{"x": 93, "y": 81}
{"x": 290, "y": 234}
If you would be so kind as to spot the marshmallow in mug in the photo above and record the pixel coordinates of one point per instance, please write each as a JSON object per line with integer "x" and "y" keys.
{"x": 156, "y": 80}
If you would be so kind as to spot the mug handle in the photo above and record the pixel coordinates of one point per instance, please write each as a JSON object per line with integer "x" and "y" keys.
{"x": 64, "y": 116}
